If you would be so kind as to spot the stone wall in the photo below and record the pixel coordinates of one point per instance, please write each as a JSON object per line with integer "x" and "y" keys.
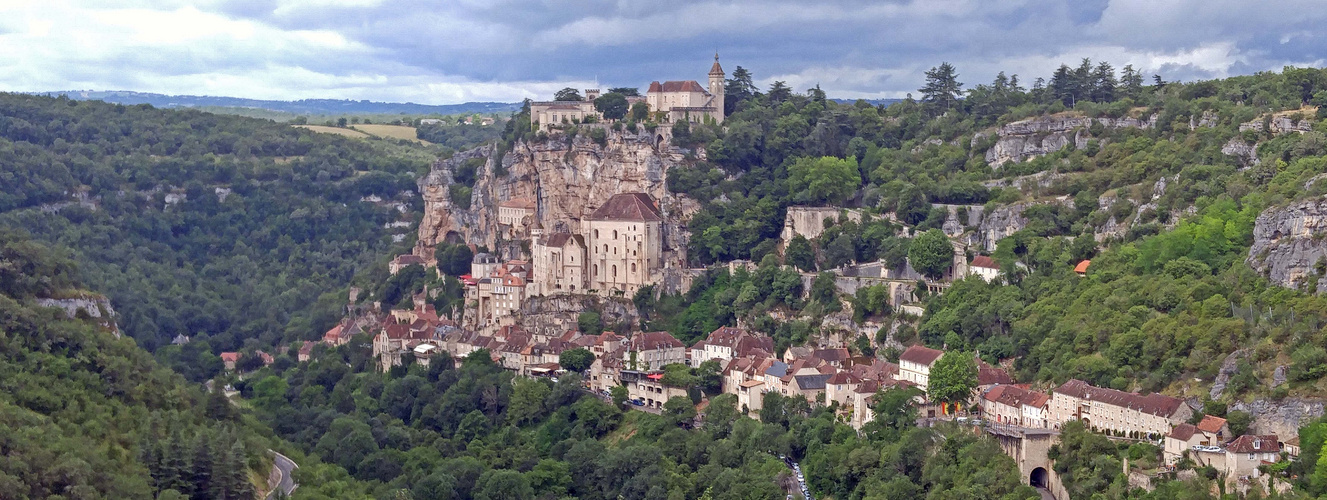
{"x": 555, "y": 314}
{"x": 809, "y": 222}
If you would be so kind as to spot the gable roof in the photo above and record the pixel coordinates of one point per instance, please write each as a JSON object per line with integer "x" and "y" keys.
{"x": 677, "y": 86}
{"x": 561, "y": 239}
{"x": 1211, "y": 424}
{"x": 630, "y": 207}
{"x": 651, "y": 341}
{"x": 525, "y": 203}
{"x": 921, "y": 355}
{"x": 832, "y": 355}
{"x": 1153, "y": 404}
{"x": 984, "y": 262}
{"x": 777, "y": 369}
{"x": 1254, "y": 444}
{"x": 990, "y": 375}
{"x": 1082, "y": 266}
{"x": 1015, "y": 396}
{"x": 1183, "y": 432}
{"x": 812, "y": 382}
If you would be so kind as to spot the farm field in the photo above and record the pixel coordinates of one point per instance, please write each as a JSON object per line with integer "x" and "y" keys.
{"x": 335, "y": 130}
{"x": 390, "y": 131}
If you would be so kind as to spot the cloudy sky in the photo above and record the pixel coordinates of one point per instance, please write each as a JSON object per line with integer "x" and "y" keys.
{"x": 452, "y": 51}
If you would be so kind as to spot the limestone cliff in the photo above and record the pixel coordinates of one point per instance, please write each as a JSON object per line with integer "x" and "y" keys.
{"x": 1033, "y": 137}
{"x": 1006, "y": 220}
{"x": 89, "y": 306}
{"x": 568, "y": 179}
{"x": 556, "y": 314}
{"x": 1288, "y": 244}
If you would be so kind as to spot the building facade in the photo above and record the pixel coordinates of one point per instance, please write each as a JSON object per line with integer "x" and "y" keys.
{"x": 625, "y": 239}
{"x": 915, "y": 365}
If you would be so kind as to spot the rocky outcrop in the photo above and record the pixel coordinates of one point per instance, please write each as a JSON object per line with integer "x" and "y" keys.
{"x": 1007, "y": 220}
{"x": 1288, "y": 243}
{"x": 1282, "y": 418}
{"x": 92, "y": 307}
{"x": 568, "y": 179}
{"x": 1246, "y": 153}
{"x": 1228, "y": 369}
{"x": 555, "y": 314}
{"x": 1026, "y": 139}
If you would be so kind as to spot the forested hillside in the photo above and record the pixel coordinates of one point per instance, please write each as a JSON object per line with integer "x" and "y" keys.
{"x": 238, "y": 232}
{"x": 85, "y": 415}
{"x": 1164, "y": 199}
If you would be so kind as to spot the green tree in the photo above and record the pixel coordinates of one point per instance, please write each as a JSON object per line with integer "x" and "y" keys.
{"x": 931, "y": 254}
{"x": 953, "y": 378}
{"x": 619, "y": 394}
{"x": 590, "y": 323}
{"x": 527, "y": 400}
{"x": 679, "y": 410}
{"x": 800, "y": 254}
{"x": 640, "y": 112}
{"x": 435, "y": 486}
{"x": 942, "y": 88}
{"x": 568, "y": 94}
{"x": 626, "y": 91}
{"x": 895, "y": 412}
{"x": 576, "y": 360}
{"x": 503, "y": 484}
{"x": 612, "y": 105}
{"x": 825, "y": 180}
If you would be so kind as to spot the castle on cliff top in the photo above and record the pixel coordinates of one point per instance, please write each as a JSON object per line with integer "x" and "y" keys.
{"x": 671, "y": 101}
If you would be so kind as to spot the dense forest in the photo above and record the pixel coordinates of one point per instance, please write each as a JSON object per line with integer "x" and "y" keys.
{"x": 238, "y": 232}
{"x": 88, "y": 416}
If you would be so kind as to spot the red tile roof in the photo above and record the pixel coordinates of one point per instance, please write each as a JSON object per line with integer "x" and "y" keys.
{"x": 561, "y": 239}
{"x": 1211, "y": 424}
{"x": 1254, "y": 444}
{"x": 984, "y": 261}
{"x": 1081, "y": 268}
{"x": 1183, "y": 432}
{"x": 990, "y": 375}
{"x": 630, "y": 207}
{"x": 676, "y": 86}
{"x": 921, "y": 355}
{"x": 651, "y": 341}
{"x": 230, "y": 357}
{"x": 525, "y": 203}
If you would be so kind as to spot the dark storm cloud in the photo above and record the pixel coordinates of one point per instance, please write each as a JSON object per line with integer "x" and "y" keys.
{"x": 442, "y": 51}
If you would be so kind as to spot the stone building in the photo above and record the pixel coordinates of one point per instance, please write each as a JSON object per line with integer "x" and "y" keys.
{"x": 688, "y": 101}
{"x": 728, "y": 342}
{"x": 515, "y": 216}
{"x": 672, "y": 101}
{"x": 652, "y": 350}
{"x": 625, "y": 239}
{"x": 915, "y": 365}
{"x": 1119, "y": 412}
{"x": 1013, "y": 405}
{"x": 559, "y": 264}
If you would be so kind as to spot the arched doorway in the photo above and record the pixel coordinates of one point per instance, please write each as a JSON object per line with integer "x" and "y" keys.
{"x": 658, "y": 140}
{"x": 1039, "y": 478}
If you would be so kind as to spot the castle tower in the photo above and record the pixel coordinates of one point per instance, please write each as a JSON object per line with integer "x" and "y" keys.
{"x": 716, "y": 87}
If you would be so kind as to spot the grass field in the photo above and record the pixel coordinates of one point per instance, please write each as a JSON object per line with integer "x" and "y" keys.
{"x": 336, "y": 130}
{"x": 390, "y": 131}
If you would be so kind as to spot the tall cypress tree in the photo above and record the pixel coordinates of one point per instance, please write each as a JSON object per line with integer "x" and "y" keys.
{"x": 1104, "y": 78}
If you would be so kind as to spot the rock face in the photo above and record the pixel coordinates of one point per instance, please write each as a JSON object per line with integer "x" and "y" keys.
{"x": 1027, "y": 139}
{"x": 568, "y": 179}
{"x": 1282, "y": 418}
{"x": 93, "y": 307}
{"x": 1288, "y": 243}
{"x": 554, "y": 315}
{"x": 1246, "y": 153}
{"x": 1008, "y": 220}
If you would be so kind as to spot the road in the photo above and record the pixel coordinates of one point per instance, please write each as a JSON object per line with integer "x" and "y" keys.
{"x": 287, "y": 484}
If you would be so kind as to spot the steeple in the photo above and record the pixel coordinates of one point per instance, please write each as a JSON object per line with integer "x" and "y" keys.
{"x": 716, "y": 69}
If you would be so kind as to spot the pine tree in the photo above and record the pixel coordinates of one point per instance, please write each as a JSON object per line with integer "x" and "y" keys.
{"x": 1104, "y": 79}
{"x": 1131, "y": 81}
{"x": 175, "y": 464}
{"x": 942, "y": 87}
{"x": 1062, "y": 85}
{"x": 201, "y": 467}
{"x": 1083, "y": 85}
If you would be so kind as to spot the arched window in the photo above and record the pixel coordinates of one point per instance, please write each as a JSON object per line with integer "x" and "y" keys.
{"x": 596, "y": 270}
{"x": 633, "y": 267}
{"x": 615, "y": 234}
{"x": 605, "y": 248}
{"x": 615, "y": 270}
{"x": 596, "y": 233}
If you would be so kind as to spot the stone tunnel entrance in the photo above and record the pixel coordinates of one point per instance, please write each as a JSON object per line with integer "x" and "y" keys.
{"x": 1039, "y": 478}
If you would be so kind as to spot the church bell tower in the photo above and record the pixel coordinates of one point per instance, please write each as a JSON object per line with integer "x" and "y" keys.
{"x": 716, "y": 88}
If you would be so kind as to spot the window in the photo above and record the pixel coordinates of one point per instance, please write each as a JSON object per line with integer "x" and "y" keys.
{"x": 615, "y": 234}
{"x": 633, "y": 267}
{"x": 596, "y": 233}
{"x": 614, "y": 270}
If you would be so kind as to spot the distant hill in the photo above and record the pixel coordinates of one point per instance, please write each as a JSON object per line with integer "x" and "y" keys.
{"x": 873, "y": 102}
{"x": 312, "y": 107}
